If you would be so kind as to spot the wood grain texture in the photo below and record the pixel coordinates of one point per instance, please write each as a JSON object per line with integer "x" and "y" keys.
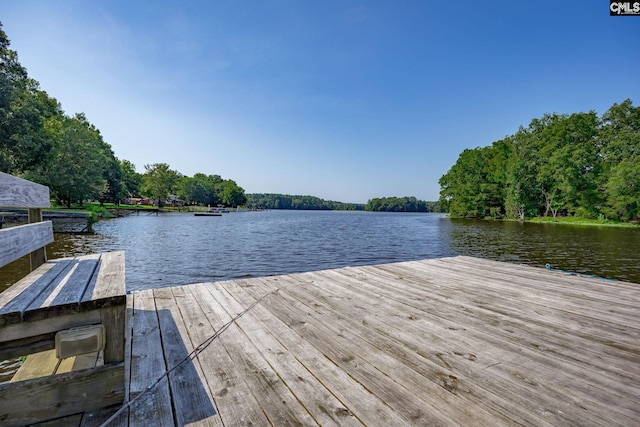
{"x": 148, "y": 366}
{"x": 38, "y": 256}
{"x": 192, "y": 399}
{"x": 20, "y": 193}
{"x": 60, "y": 395}
{"x": 453, "y": 341}
{"x": 66, "y": 286}
{"x": 16, "y": 242}
{"x": 107, "y": 287}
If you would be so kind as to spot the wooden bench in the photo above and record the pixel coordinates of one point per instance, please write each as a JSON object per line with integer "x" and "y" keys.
{"x": 68, "y": 314}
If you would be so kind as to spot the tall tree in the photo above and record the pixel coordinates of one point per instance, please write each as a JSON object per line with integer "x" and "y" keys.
{"x": 620, "y": 141}
{"x": 76, "y": 169}
{"x": 159, "y": 181}
{"x": 473, "y": 187}
{"x": 131, "y": 180}
{"x": 232, "y": 194}
{"x": 24, "y": 110}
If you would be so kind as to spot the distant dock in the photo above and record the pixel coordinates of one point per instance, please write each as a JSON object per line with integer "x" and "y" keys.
{"x": 453, "y": 341}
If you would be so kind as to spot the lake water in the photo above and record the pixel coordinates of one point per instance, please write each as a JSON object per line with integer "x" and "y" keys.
{"x": 173, "y": 249}
{"x": 179, "y": 248}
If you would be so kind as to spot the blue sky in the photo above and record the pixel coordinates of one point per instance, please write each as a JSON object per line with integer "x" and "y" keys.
{"x": 344, "y": 100}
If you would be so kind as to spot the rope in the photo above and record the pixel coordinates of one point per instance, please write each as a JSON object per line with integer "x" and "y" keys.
{"x": 573, "y": 273}
{"x": 196, "y": 351}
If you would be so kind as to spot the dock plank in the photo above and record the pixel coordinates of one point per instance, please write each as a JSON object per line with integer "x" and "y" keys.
{"x": 190, "y": 392}
{"x": 351, "y": 395}
{"x": 319, "y": 404}
{"x": 507, "y": 343}
{"x": 147, "y": 366}
{"x": 234, "y": 379}
{"x": 454, "y": 341}
{"x": 463, "y": 348}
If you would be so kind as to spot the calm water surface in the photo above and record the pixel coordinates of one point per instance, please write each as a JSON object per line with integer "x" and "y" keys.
{"x": 180, "y": 248}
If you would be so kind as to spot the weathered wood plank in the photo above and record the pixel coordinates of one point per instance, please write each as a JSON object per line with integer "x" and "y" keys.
{"x": 418, "y": 400}
{"x": 225, "y": 378}
{"x": 68, "y": 421}
{"x": 15, "y": 300}
{"x": 538, "y": 358}
{"x": 276, "y": 398}
{"x": 590, "y": 291}
{"x": 62, "y": 295}
{"x": 19, "y": 331}
{"x": 321, "y": 403}
{"x": 38, "y": 256}
{"x": 46, "y": 363}
{"x": 60, "y": 395}
{"x": 229, "y": 387}
{"x": 147, "y": 366}
{"x": 114, "y": 319}
{"x": 418, "y": 344}
{"x": 108, "y": 285}
{"x": 593, "y": 340}
{"x": 192, "y": 399}
{"x": 37, "y": 365}
{"x": 76, "y": 363}
{"x": 23, "y": 239}
{"x": 354, "y": 397}
{"x": 18, "y": 348}
{"x": 20, "y": 193}
{"x": 99, "y": 417}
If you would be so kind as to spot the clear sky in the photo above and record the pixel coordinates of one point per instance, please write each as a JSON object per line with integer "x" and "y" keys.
{"x": 344, "y": 100}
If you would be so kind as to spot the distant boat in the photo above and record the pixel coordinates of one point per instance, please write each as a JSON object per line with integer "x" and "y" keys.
{"x": 209, "y": 213}
{"x": 220, "y": 209}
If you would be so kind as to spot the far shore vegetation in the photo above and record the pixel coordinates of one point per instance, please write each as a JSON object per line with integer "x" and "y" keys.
{"x": 577, "y": 168}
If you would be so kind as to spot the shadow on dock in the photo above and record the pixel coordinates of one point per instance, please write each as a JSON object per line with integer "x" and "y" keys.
{"x": 159, "y": 383}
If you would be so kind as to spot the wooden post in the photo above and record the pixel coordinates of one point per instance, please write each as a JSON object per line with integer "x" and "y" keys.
{"x": 39, "y": 256}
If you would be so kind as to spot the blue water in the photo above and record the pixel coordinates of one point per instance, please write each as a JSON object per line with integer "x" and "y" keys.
{"x": 180, "y": 248}
{"x": 174, "y": 249}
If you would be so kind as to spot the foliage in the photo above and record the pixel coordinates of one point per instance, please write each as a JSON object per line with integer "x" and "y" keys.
{"x": 401, "y": 204}
{"x": 24, "y": 110}
{"x": 130, "y": 179}
{"x": 232, "y": 194}
{"x": 286, "y": 201}
{"x": 158, "y": 182}
{"x": 560, "y": 165}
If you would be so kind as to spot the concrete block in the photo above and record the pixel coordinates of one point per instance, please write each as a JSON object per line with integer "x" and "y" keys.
{"x": 80, "y": 340}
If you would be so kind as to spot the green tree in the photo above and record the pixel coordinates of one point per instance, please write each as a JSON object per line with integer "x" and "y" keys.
{"x": 24, "y": 110}
{"x": 131, "y": 180}
{"x": 76, "y": 168}
{"x": 232, "y": 194}
{"x": 158, "y": 182}
{"x": 620, "y": 142}
{"x": 473, "y": 187}
{"x": 114, "y": 177}
{"x": 201, "y": 189}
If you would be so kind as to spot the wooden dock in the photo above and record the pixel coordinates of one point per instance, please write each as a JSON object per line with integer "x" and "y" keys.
{"x": 453, "y": 341}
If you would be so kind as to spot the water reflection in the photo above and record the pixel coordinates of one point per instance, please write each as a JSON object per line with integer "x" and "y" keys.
{"x": 604, "y": 251}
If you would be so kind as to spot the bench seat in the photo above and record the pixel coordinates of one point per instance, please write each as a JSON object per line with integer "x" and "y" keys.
{"x": 56, "y": 298}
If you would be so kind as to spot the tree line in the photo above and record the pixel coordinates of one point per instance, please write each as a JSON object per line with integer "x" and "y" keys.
{"x": 39, "y": 142}
{"x": 296, "y": 202}
{"x": 559, "y": 165}
{"x": 384, "y": 204}
{"x": 401, "y": 204}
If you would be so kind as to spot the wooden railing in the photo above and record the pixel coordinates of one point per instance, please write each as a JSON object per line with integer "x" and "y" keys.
{"x": 30, "y": 238}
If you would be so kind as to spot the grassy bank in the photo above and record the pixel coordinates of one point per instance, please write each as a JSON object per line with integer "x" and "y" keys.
{"x": 582, "y": 221}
